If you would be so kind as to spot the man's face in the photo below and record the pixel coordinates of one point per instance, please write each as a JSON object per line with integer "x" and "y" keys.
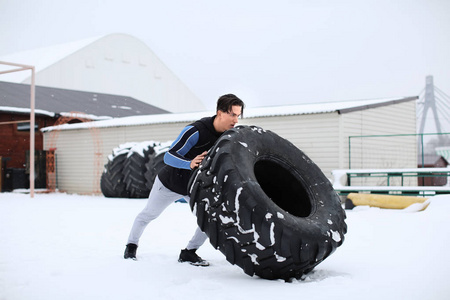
{"x": 229, "y": 119}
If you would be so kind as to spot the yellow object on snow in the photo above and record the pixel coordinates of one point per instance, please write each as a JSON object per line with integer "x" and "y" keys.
{"x": 385, "y": 201}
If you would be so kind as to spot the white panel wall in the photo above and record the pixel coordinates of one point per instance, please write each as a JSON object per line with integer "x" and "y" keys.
{"x": 323, "y": 137}
{"x": 76, "y": 151}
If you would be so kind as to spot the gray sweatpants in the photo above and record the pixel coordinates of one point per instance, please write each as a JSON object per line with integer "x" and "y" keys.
{"x": 159, "y": 199}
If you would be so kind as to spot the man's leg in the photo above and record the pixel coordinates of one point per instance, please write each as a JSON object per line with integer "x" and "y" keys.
{"x": 188, "y": 254}
{"x": 159, "y": 199}
{"x": 197, "y": 240}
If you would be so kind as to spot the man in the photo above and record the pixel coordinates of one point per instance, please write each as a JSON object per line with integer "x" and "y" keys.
{"x": 184, "y": 155}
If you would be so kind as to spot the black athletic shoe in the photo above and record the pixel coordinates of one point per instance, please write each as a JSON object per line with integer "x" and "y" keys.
{"x": 191, "y": 257}
{"x": 130, "y": 251}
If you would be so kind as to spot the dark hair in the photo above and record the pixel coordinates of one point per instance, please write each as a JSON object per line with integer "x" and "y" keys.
{"x": 225, "y": 103}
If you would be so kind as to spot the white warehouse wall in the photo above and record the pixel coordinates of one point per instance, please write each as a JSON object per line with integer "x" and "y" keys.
{"x": 322, "y": 136}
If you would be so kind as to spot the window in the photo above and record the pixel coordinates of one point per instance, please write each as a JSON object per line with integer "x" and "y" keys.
{"x": 25, "y": 126}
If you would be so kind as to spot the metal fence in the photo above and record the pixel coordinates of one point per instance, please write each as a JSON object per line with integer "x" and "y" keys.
{"x": 395, "y": 151}
{"x": 399, "y": 151}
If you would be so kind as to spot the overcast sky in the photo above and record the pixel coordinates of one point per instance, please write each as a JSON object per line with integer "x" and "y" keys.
{"x": 266, "y": 52}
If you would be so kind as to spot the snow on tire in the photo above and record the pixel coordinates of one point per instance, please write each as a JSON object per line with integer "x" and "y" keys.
{"x": 266, "y": 205}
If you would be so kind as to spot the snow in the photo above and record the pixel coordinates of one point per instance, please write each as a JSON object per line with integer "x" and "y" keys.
{"x": 135, "y": 120}
{"x": 52, "y": 114}
{"x": 85, "y": 116}
{"x": 121, "y": 107}
{"x": 280, "y": 215}
{"x": 61, "y": 246}
{"x": 443, "y": 151}
{"x": 139, "y": 148}
{"x": 27, "y": 110}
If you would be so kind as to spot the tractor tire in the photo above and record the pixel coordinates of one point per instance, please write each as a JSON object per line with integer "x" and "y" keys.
{"x": 111, "y": 181}
{"x": 266, "y": 205}
{"x": 153, "y": 166}
{"x": 133, "y": 173}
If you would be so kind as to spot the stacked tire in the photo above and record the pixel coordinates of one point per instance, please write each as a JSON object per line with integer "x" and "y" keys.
{"x": 132, "y": 168}
{"x": 266, "y": 205}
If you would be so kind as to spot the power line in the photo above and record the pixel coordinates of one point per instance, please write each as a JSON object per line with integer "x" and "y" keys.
{"x": 419, "y": 111}
{"x": 423, "y": 90}
{"x": 441, "y": 91}
{"x": 442, "y": 102}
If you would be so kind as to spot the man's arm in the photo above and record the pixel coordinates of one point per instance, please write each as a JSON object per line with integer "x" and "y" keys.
{"x": 187, "y": 139}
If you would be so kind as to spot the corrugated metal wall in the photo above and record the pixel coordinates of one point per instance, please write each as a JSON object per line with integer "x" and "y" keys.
{"x": 323, "y": 137}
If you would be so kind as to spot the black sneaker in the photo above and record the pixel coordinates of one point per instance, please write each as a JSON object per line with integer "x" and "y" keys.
{"x": 130, "y": 251}
{"x": 191, "y": 257}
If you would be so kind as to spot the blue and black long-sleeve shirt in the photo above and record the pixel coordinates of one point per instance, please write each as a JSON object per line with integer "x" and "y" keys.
{"x": 193, "y": 140}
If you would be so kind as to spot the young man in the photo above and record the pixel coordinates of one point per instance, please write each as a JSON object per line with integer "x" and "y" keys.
{"x": 185, "y": 154}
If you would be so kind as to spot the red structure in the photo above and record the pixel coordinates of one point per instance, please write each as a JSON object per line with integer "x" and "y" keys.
{"x": 15, "y": 136}
{"x": 15, "y": 146}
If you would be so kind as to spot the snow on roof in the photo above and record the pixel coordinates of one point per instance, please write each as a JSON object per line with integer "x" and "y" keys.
{"x": 444, "y": 152}
{"x": 269, "y": 111}
{"x": 135, "y": 120}
{"x": 27, "y": 111}
{"x": 85, "y": 116}
{"x": 52, "y": 114}
{"x": 40, "y": 58}
{"x": 317, "y": 108}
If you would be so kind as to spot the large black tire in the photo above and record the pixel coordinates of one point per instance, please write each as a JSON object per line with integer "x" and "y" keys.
{"x": 111, "y": 182}
{"x": 153, "y": 166}
{"x": 133, "y": 172}
{"x": 155, "y": 163}
{"x": 265, "y": 205}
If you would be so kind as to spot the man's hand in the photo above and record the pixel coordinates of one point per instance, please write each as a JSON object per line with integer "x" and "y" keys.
{"x": 197, "y": 160}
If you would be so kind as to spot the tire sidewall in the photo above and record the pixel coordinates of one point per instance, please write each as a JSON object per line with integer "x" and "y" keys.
{"x": 324, "y": 200}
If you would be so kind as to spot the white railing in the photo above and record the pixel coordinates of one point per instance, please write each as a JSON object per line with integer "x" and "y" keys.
{"x": 342, "y": 181}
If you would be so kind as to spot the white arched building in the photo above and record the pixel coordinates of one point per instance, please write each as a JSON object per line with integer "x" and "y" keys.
{"x": 116, "y": 64}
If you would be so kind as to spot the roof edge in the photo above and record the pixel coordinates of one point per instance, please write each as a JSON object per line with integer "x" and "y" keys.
{"x": 375, "y": 105}
{"x": 272, "y": 111}
{"x": 26, "y": 111}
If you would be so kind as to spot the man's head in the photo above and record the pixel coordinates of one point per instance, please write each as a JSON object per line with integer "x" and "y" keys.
{"x": 229, "y": 109}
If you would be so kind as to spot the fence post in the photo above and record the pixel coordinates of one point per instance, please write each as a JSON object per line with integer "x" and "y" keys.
{"x": 349, "y": 153}
{"x": 423, "y": 154}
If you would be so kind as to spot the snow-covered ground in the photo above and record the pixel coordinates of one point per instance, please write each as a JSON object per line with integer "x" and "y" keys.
{"x": 59, "y": 246}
